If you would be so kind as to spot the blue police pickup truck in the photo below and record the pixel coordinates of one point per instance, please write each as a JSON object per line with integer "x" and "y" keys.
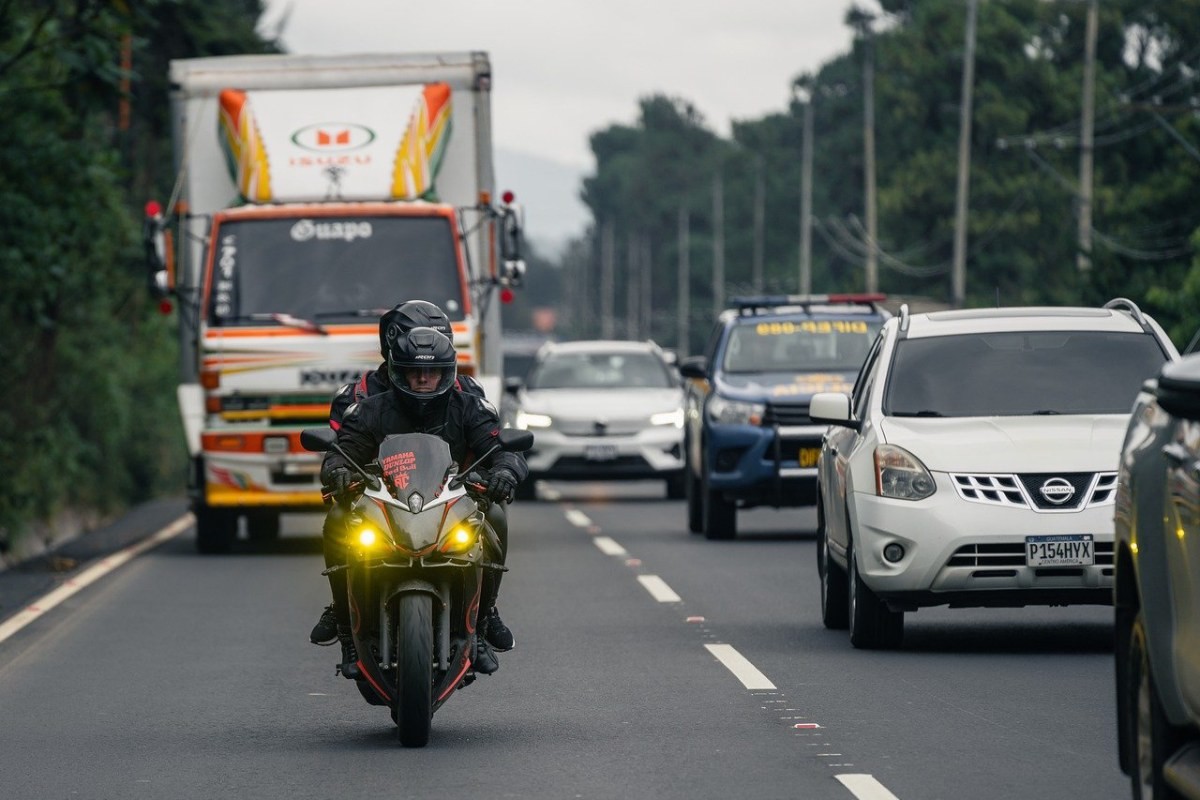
{"x": 748, "y": 440}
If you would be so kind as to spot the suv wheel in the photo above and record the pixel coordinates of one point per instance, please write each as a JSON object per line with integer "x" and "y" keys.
{"x": 873, "y": 626}
{"x": 1153, "y": 738}
{"x": 835, "y": 603}
{"x": 720, "y": 515}
{"x": 676, "y": 488}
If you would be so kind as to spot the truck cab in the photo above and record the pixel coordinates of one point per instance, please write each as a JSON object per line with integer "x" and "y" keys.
{"x": 748, "y": 438}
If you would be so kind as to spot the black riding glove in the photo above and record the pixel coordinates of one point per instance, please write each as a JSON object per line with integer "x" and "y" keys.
{"x": 501, "y": 485}
{"x": 339, "y": 480}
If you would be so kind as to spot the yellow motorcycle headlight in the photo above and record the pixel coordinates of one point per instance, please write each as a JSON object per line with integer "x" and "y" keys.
{"x": 367, "y": 536}
{"x": 459, "y": 540}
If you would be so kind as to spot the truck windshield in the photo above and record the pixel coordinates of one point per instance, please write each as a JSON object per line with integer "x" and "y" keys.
{"x": 331, "y": 269}
{"x": 800, "y": 345}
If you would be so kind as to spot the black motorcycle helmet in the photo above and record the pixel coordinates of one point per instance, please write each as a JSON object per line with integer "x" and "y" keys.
{"x": 426, "y": 349}
{"x": 412, "y": 314}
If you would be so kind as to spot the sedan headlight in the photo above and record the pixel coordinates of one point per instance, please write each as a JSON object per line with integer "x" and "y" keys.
{"x": 526, "y": 420}
{"x": 735, "y": 412}
{"x": 668, "y": 418}
{"x": 900, "y": 474}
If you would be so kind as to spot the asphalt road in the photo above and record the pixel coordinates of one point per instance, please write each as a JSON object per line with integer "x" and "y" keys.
{"x": 181, "y": 676}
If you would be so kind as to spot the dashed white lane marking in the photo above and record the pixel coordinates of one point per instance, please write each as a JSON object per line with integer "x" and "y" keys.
{"x": 577, "y": 518}
{"x": 609, "y": 546}
{"x": 865, "y": 787}
{"x": 742, "y": 669}
{"x": 658, "y": 589}
{"x": 89, "y": 576}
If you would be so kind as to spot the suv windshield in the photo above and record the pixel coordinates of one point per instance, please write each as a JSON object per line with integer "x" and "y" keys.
{"x": 799, "y": 345}
{"x": 600, "y": 371}
{"x": 1020, "y": 373}
{"x": 331, "y": 269}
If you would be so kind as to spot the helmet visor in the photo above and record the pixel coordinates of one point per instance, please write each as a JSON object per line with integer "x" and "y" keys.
{"x": 421, "y": 380}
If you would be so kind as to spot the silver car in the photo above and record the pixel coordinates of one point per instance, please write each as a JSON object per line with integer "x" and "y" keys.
{"x": 600, "y": 410}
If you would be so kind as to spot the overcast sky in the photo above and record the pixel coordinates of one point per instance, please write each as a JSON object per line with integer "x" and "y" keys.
{"x": 564, "y": 69}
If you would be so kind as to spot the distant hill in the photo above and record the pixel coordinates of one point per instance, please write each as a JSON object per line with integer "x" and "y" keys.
{"x": 549, "y": 191}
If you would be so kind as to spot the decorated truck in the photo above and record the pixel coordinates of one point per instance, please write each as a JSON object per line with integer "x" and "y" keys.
{"x": 313, "y": 194}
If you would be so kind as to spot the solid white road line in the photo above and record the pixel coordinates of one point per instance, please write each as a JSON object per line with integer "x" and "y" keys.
{"x": 865, "y": 787}
{"x": 658, "y": 589}
{"x": 577, "y": 518}
{"x": 89, "y": 576}
{"x": 608, "y": 546}
{"x": 742, "y": 669}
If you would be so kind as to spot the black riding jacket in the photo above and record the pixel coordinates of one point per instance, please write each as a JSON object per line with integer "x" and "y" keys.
{"x": 469, "y": 423}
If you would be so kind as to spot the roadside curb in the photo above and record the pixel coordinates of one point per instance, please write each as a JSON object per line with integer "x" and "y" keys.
{"x": 27, "y": 580}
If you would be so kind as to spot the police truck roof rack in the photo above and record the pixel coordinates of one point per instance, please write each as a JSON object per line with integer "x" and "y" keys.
{"x": 756, "y": 304}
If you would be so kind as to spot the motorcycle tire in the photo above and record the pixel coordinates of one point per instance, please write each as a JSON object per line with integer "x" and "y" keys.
{"x": 414, "y": 669}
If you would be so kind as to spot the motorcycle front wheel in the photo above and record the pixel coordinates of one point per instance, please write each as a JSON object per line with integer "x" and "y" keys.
{"x": 414, "y": 669}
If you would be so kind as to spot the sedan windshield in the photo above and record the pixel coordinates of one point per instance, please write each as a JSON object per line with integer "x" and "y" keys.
{"x": 601, "y": 371}
{"x": 1020, "y": 374}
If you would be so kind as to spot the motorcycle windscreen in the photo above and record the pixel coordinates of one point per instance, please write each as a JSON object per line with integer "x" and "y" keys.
{"x": 414, "y": 463}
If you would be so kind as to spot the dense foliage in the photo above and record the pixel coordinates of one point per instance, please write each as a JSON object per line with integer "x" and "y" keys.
{"x": 1025, "y": 159}
{"x": 87, "y": 406}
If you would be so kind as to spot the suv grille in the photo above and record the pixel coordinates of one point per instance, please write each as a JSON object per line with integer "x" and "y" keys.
{"x": 1011, "y": 554}
{"x": 1039, "y": 490}
{"x": 786, "y": 414}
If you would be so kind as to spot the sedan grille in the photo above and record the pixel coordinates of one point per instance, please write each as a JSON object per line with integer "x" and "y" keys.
{"x": 1044, "y": 491}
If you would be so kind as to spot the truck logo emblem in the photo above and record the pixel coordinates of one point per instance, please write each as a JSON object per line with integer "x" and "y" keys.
{"x": 333, "y": 137}
{"x": 1057, "y": 491}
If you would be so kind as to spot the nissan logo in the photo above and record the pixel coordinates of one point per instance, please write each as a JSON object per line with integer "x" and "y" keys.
{"x": 1057, "y": 491}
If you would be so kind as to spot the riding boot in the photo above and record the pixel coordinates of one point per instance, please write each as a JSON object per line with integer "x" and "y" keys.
{"x": 349, "y": 666}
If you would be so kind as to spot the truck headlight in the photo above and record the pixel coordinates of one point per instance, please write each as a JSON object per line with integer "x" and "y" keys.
{"x": 735, "y": 412}
{"x": 900, "y": 474}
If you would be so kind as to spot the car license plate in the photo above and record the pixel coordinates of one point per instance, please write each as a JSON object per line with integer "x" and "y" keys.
{"x": 600, "y": 452}
{"x": 1070, "y": 550}
{"x": 808, "y": 456}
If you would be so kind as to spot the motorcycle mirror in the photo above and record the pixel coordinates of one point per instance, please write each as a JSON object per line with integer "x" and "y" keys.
{"x": 318, "y": 440}
{"x": 515, "y": 441}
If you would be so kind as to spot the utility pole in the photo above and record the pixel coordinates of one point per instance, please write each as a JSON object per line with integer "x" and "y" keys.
{"x": 647, "y": 273}
{"x": 632, "y": 287}
{"x": 685, "y": 284}
{"x": 607, "y": 259}
{"x": 759, "y": 222}
{"x": 806, "y": 154}
{"x": 861, "y": 19}
{"x": 718, "y": 274}
{"x": 959, "y": 271}
{"x": 1087, "y": 128}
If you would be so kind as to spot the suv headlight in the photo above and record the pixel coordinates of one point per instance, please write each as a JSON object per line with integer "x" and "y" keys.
{"x": 525, "y": 420}
{"x": 735, "y": 412}
{"x": 900, "y": 474}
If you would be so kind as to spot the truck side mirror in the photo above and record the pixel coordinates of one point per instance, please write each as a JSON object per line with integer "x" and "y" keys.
{"x": 156, "y": 243}
{"x": 512, "y": 228}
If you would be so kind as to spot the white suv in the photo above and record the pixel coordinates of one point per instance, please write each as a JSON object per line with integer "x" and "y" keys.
{"x": 975, "y": 462}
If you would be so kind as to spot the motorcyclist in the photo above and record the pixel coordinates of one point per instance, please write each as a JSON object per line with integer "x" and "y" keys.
{"x": 421, "y": 369}
{"x": 399, "y": 320}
